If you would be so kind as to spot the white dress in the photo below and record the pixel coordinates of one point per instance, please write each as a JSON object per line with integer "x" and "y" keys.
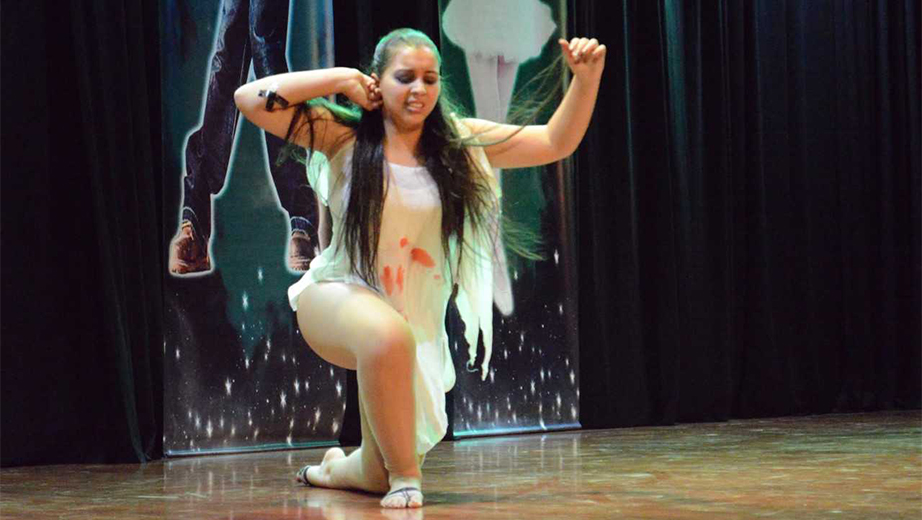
{"x": 513, "y": 29}
{"x": 414, "y": 277}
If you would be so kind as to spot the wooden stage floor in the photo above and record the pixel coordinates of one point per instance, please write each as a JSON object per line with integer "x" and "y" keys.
{"x": 863, "y": 466}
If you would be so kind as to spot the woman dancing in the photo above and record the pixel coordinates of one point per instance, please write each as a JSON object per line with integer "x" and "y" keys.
{"x": 413, "y": 199}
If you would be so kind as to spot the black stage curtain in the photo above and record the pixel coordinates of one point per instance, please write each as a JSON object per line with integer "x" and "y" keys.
{"x": 359, "y": 24}
{"x": 749, "y": 210}
{"x": 81, "y": 263}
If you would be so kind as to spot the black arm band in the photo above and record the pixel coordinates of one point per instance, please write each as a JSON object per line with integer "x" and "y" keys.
{"x": 272, "y": 98}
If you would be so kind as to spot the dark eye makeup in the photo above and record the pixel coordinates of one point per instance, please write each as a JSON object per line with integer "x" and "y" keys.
{"x": 408, "y": 77}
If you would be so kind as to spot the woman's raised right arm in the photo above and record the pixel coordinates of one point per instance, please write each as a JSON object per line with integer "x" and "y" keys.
{"x": 294, "y": 88}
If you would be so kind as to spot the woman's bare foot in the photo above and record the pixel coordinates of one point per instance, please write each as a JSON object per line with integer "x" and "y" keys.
{"x": 404, "y": 493}
{"x": 320, "y": 475}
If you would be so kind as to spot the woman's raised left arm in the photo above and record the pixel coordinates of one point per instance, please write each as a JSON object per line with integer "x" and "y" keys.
{"x": 535, "y": 145}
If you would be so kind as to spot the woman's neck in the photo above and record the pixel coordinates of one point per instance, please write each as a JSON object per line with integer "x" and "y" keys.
{"x": 400, "y": 145}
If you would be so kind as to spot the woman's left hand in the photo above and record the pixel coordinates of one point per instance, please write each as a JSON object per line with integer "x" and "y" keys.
{"x": 585, "y": 57}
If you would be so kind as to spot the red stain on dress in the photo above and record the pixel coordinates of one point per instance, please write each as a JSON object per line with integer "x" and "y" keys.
{"x": 421, "y": 256}
{"x": 388, "y": 280}
{"x": 404, "y": 242}
{"x": 438, "y": 277}
{"x": 400, "y": 278}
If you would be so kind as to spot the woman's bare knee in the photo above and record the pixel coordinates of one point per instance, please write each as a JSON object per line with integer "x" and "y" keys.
{"x": 390, "y": 343}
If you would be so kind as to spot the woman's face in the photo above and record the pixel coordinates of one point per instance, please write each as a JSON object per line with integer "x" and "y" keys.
{"x": 410, "y": 86}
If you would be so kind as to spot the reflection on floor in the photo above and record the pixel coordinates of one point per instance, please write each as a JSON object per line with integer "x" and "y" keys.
{"x": 835, "y": 466}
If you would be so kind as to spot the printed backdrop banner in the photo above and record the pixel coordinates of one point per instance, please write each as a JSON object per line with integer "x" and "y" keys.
{"x": 491, "y": 49}
{"x": 239, "y": 229}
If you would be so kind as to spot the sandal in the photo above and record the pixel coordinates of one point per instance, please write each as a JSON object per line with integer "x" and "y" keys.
{"x": 406, "y": 493}
{"x": 301, "y": 476}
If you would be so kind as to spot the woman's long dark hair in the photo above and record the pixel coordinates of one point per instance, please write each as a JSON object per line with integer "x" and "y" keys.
{"x": 464, "y": 189}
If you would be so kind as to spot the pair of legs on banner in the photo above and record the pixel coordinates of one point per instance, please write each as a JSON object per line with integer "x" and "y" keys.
{"x": 352, "y": 327}
{"x": 249, "y": 31}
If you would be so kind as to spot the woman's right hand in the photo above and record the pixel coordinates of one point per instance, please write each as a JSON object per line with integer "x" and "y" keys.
{"x": 363, "y": 91}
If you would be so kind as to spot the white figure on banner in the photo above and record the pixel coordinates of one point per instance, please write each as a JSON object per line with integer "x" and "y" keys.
{"x": 497, "y": 37}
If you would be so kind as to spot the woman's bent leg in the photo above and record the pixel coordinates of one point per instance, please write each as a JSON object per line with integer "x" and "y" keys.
{"x": 352, "y": 327}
